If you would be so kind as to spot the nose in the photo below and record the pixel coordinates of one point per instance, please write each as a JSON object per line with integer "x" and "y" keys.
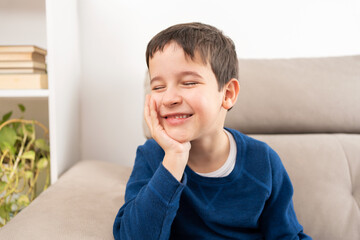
{"x": 171, "y": 97}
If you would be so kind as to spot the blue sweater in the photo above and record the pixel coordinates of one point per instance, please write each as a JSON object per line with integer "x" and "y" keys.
{"x": 253, "y": 202}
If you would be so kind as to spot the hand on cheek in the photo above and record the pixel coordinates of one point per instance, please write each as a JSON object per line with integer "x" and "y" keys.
{"x": 176, "y": 153}
{"x": 158, "y": 132}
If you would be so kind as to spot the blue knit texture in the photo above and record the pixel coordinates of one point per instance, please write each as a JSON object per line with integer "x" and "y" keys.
{"x": 253, "y": 202}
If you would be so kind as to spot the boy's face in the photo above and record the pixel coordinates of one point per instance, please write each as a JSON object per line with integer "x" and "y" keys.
{"x": 188, "y": 101}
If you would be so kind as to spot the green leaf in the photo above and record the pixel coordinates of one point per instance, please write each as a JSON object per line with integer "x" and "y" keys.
{"x": 7, "y": 140}
{"x": 2, "y": 185}
{"x": 29, "y": 128}
{"x": 43, "y": 162}
{"x": 21, "y": 107}
{"x": 8, "y": 207}
{"x": 16, "y": 125}
{"x": 28, "y": 155}
{"x": 21, "y": 165}
{"x": 20, "y": 131}
{"x": 8, "y": 134}
{"x": 42, "y": 144}
{"x": 23, "y": 200}
{"x": 29, "y": 174}
{"x": 3, "y": 213}
{"x": 6, "y": 146}
{"x": 6, "y": 117}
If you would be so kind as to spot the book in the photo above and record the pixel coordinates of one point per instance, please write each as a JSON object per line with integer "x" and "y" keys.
{"x": 22, "y": 48}
{"x": 21, "y": 70}
{"x": 23, "y": 81}
{"x": 22, "y": 56}
{"x": 23, "y": 64}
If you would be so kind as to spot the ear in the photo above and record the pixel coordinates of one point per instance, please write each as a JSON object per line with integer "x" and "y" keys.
{"x": 231, "y": 92}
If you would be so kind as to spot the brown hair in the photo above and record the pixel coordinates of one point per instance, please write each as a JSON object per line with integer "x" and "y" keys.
{"x": 212, "y": 45}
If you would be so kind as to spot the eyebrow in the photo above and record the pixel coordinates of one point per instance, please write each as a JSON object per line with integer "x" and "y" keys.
{"x": 191, "y": 73}
{"x": 181, "y": 74}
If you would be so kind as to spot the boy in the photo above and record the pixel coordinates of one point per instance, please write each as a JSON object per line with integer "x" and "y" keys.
{"x": 196, "y": 179}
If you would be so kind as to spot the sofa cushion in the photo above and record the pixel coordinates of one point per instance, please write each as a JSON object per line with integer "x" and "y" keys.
{"x": 325, "y": 173}
{"x": 305, "y": 95}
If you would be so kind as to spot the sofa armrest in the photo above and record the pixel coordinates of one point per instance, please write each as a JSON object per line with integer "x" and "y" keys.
{"x": 82, "y": 204}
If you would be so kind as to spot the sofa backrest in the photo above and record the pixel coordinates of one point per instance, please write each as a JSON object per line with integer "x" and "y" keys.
{"x": 305, "y": 95}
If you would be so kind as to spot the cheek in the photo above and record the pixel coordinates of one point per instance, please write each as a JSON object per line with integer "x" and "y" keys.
{"x": 199, "y": 101}
{"x": 206, "y": 103}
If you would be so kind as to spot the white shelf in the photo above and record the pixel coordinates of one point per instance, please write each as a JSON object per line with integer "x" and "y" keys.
{"x": 41, "y": 93}
{"x": 59, "y": 106}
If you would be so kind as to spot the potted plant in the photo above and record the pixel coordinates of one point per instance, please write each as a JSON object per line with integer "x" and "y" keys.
{"x": 23, "y": 158}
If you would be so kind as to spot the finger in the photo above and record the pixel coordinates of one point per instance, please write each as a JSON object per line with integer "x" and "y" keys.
{"x": 158, "y": 132}
{"x": 153, "y": 113}
{"x": 157, "y": 129}
{"x": 147, "y": 112}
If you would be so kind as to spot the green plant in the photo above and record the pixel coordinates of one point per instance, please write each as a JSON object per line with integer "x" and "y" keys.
{"x": 23, "y": 158}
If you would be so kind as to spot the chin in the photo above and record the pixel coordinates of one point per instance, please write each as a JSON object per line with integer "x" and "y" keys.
{"x": 179, "y": 135}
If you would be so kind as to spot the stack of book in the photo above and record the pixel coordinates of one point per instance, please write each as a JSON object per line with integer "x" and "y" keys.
{"x": 23, "y": 67}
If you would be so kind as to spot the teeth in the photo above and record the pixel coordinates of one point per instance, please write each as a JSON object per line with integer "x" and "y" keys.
{"x": 182, "y": 116}
{"x": 179, "y": 116}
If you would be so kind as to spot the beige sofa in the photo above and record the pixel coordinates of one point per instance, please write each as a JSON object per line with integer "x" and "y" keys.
{"x": 308, "y": 110}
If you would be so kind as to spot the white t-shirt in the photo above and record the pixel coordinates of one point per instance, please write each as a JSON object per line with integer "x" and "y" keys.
{"x": 229, "y": 165}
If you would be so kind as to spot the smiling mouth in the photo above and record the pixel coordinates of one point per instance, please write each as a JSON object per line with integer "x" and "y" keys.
{"x": 183, "y": 116}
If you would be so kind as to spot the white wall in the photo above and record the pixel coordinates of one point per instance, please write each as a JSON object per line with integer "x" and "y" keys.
{"x": 114, "y": 34}
{"x": 22, "y": 22}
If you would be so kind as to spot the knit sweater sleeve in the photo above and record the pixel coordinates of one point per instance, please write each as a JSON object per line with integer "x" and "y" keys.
{"x": 151, "y": 201}
{"x": 278, "y": 219}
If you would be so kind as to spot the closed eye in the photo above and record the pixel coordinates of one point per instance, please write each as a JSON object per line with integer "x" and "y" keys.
{"x": 190, "y": 83}
{"x": 157, "y": 88}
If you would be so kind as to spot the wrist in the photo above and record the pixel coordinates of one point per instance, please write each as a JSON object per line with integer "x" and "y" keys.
{"x": 176, "y": 163}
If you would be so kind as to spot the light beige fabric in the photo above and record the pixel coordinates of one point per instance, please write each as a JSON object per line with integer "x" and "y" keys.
{"x": 309, "y": 95}
{"x": 325, "y": 172}
{"x": 82, "y": 204}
